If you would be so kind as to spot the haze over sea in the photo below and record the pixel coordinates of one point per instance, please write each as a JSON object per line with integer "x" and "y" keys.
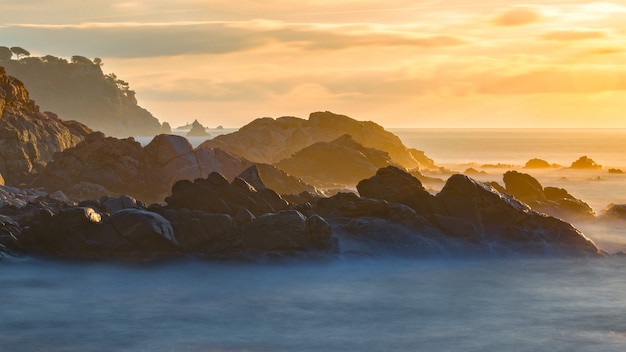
{"x": 346, "y": 303}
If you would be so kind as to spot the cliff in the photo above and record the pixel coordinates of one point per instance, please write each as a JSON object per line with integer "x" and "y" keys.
{"x": 28, "y": 137}
{"x": 79, "y": 90}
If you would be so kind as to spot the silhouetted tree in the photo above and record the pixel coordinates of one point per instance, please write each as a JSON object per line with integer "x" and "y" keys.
{"x": 19, "y": 51}
{"x": 77, "y": 59}
{"x": 98, "y": 61}
{"x": 5, "y": 53}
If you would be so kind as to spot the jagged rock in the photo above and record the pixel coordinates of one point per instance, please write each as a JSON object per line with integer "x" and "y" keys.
{"x": 551, "y": 200}
{"x": 584, "y": 162}
{"x": 215, "y": 195}
{"x": 397, "y": 186}
{"x": 613, "y": 212}
{"x": 268, "y": 140}
{"x": 424, "y": 161}
{"x": 28, "y": 137}
{"x": 495, "y": 218}
{"x": 197, "y": 130}
{"x": 523, "y": 187}
{"x": 109, "y": 166}
{"x": 341, "y": 161}
{"x": 98, "y": 164}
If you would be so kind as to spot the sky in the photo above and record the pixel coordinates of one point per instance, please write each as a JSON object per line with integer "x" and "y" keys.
{"x": 400, "y": 63}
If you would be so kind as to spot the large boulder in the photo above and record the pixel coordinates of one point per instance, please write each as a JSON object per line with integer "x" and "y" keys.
{"x": 342, "y": 161}
{"x": 398, "y": 186}
{"x": 269, "y": 141}
{"x": 29, "y": 138}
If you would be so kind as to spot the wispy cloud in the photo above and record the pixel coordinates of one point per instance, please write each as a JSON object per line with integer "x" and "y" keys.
{"x": 517, "y": 16}
{"x": 574, "y": 35}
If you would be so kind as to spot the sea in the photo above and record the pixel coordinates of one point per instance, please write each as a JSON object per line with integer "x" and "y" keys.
{"x": 380, "y": 303}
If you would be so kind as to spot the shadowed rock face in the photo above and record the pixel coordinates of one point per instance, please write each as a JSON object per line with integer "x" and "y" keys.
{"x": 28, "y": 137}
{"x": 550, "y": 200}
{"x": 109, "y": 166}
{"x": 341, "y": 161}
{"x": 268, "y": 140}
{"x": 212, "y": 217}
{"x": 479, "y": 213}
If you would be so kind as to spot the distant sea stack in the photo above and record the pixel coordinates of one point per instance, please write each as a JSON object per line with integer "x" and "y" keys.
{"x": 79, "y": 90}
{"x": 29, "y": 138}
{"x": 269, "y": 140}
{"x": 197, "y": 130}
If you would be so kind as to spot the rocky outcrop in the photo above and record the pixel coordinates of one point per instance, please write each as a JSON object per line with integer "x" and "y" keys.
{"x": 482, "y": 214}
{"x": 268, "y": 140}
{"x": 539, "y": 164}
{"x": 550, "y": 200}
{"x": 584, "y": 162}
{"x": 197, "y": 130}
{"x": 28, "y": 137}
{"x": 214, "y": 218}
{"x": 80, "y": 91}
{"x": 109, "y": 166}
{"x": 339, "y": 162}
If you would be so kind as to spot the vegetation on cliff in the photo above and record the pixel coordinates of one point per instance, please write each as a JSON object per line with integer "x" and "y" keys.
{"x": 79, "y": 90}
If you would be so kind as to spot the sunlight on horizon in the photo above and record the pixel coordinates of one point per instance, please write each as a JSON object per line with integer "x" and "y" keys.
{"x": 432, "y": 64}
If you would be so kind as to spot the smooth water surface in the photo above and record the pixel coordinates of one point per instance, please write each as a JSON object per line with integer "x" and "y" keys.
{"x": 356, "y": 305}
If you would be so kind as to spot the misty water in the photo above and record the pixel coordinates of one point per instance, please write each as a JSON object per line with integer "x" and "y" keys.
{"x": 343, "y": 303}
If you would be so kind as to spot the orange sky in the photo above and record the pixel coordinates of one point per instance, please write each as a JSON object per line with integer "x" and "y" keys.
{"x": 400, "y": 63}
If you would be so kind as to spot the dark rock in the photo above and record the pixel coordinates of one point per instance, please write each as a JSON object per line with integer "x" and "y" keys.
{"x": 341, "y": 161}
{"x": 523, "y": 187}
{"x": 285, "y": 231}
{"x": 146, "y": 230}
{"x": 397, "y": 186}
{"x": 215, "y": 195}
{"x": 551, "y": 200}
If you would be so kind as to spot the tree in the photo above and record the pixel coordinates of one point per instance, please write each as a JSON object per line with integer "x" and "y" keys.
{"x": 98, "y": 61}
{"x": 19, "y": 51}
{"x": 77, "y": 59}
{"x": 5, "y": 53}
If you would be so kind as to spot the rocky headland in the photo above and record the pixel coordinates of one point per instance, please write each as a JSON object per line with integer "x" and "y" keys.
{"x": 29, "y": 138}
{"x": 79, "y": 90}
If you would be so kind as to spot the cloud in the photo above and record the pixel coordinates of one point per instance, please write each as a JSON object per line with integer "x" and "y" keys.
{"x": 574, "y": 35}
{"x": 518, "y": 16}
{"x": 184, "y": 38}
